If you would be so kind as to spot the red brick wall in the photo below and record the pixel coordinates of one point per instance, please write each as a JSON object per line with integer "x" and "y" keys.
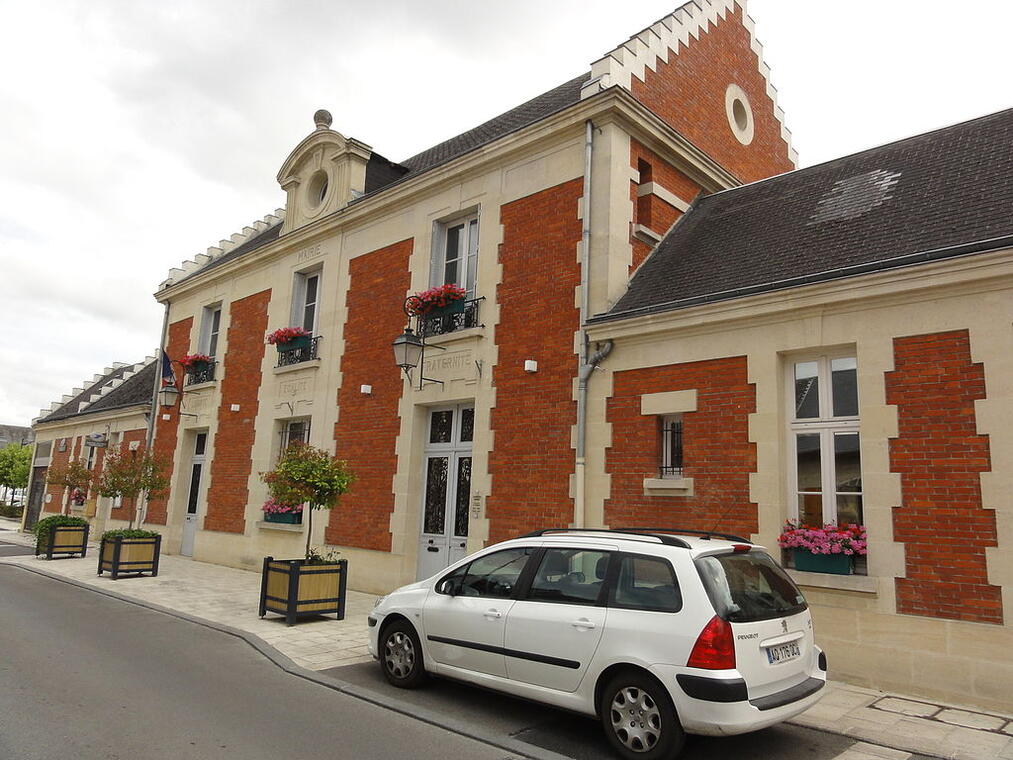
{"x": 939, "y": 456}
{"x": 177, "y": 345}
{"x": 717, "y": 453}
{"x": 688, "y": 92}
{"x": 126, "y": 510}
{"x": 532, "y": 458}
{"x": 368, "y": 426}
{"x": 58, "y": 460}
{"x": 228, "y": 492}
{"x": 650, "y": 210}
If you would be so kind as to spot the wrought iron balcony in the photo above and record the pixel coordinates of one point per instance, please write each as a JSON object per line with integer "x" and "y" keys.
{"x": 441, "y": 324}
{"x": 203, "y": 373}
{"x": 299, "y": 354}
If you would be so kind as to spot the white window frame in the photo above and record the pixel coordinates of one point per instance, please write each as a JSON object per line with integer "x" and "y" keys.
{"x": 468, "y": 262}
{"x": 210, "y": 333}
{"x": 825, "y": 425}
{"x": 299, "y": 304}
{"x": 285, "y": 432}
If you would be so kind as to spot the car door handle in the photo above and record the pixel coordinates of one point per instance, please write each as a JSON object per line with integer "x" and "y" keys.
{"x": 582, "y": 623}
{"x": 493, "y": 614}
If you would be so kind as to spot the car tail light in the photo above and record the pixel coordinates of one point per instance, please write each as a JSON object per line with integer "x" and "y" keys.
{"x": 714, "y": 648}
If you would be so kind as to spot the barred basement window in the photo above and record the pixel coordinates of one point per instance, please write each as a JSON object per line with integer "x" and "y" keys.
{"x": 294, "y": 431}
{"x": 671, "y": 446}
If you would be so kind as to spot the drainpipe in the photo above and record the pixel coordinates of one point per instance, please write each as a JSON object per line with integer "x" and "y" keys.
{"x": 585, "y": 365}
{"x": 142, "y": 507}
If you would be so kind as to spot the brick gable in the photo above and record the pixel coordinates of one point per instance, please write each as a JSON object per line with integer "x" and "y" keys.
{"x": 688, "y": 92}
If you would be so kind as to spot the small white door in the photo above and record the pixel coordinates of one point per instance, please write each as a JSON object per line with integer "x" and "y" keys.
{"x": 193, "y": 496}
{"x": 446, "y": 489}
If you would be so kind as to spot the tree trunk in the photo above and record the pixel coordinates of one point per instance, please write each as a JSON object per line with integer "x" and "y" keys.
{"x": 309, "y": 533}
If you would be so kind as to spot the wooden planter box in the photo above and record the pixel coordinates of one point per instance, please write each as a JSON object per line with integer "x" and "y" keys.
{"x": 294, "y": 589}
{"x": 63, "y": 539}
{"x": 837, "y": 564}
{"x": 129, "y": 556}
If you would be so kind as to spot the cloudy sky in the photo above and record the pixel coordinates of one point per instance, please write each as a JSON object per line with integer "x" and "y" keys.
{"x": 134, "y": 133}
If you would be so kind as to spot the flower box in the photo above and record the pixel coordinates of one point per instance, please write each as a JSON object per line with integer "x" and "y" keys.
{"x": 289, "y": 518}
{"x": 63, "y": 539}
{"x": 452, "y": 307}
{"x": 295, "y": 589}
{"x": 837, "y": 564}
{"x": 299, "y": 341}
{"x": 130, "y": 556}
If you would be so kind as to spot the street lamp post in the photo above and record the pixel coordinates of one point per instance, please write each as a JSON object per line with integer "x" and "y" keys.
{"x": 410, "y": 349}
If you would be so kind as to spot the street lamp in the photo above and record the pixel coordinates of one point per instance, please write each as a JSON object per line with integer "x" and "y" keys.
{"x": 410, "y": 347}
{"x": 168, "y": 396}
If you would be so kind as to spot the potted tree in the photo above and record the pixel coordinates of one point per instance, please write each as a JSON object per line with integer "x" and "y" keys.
{"x": 829, "y": 549}
{"x": 73, "y": 476}
{"x": 61, "y": 534}
{"x": 315, "y": 584}
{"x": 128, "y": 474}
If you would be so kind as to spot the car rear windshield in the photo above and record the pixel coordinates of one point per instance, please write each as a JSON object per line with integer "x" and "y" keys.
{"x": 749, "y": 586}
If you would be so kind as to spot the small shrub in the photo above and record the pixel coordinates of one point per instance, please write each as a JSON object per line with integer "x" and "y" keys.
{"x": 42, "y": 526}
{"x": 11, "y": 510}
{"x": 128, "y": 533}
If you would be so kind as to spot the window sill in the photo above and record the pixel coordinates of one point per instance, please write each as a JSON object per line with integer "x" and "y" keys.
{"x": 310, "y": 364}
{"x": 283, "y": 527}
{"x": 200, "y": 386}
{"x": 468, "y": 332}
{"x": 646, "y": 234}
{"x": 668, "y": 486}
{"x": 863, "y": 584}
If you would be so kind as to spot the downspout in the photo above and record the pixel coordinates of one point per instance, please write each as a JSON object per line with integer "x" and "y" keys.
{"x": 585, "y": 364}
{"x": 142, "y": 508}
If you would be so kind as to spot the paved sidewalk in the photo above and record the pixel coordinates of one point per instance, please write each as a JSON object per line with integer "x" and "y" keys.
{"x": 889, "y": 726}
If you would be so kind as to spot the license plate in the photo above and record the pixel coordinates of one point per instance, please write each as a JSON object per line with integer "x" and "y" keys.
{"x": 783, "y": 653}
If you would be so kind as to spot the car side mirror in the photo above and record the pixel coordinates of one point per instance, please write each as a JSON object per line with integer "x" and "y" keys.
{"x": 447, "y": 587}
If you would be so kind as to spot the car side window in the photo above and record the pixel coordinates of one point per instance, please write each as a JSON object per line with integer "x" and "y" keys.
{"x": 494, "y": 575}
{"x": 646, "y": 583}
{"x": 572, "y": 576}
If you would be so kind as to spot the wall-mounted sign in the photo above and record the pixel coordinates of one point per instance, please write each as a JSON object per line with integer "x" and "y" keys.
{"x": 96, "y": 440}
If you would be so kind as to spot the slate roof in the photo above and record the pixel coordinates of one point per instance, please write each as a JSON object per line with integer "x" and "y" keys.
{"x": 937, "y": 195}
{"x": 132, "y": 391}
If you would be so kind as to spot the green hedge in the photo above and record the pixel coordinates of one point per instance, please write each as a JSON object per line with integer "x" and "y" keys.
{"x": 9, "y": 510}
{"x": 42, "y": 526}
{"x": 129, "y": 533}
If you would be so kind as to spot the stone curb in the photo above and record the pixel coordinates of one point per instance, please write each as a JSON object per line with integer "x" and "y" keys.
{"x": 431, "y": 717}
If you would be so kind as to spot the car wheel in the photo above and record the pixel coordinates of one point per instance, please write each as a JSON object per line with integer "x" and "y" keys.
{"x": 639, "y": 718}
{"x": 401, "y": 655}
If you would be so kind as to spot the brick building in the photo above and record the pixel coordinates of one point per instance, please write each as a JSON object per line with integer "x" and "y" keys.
{"x": 553, "y": 398}
{"x": 107, "y": 413}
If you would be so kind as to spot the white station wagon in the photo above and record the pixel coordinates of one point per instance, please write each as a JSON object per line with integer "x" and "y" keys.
{"x": 656, "y": 632}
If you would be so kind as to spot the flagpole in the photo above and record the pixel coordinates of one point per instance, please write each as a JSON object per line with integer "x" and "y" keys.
{"x": 142, "y": 507}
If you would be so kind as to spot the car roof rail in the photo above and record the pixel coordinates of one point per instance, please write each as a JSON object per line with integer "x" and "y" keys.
{"x": 665, "y": 539}
{"x": 704, "y": 534}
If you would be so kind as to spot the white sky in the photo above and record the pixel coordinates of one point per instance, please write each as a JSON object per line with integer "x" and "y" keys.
{"x": 134, "y": 133}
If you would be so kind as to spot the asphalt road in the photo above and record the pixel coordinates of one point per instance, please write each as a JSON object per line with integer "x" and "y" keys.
{"x": 578, "y": 737}
{"x": 89, "y": 677}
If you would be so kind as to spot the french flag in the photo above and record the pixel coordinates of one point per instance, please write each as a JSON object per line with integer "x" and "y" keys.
{"x": 168, "y": 376}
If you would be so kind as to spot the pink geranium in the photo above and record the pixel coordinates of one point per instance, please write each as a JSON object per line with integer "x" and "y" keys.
{"x": 286, "y": 334}
{"x": 273, "y": 507}
{"x": 830, "y": 539}
{"x": 191, "y": 359}
{"x": 425, "y": 301}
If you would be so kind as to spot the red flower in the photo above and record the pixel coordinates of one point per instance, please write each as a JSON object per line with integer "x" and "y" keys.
{"x": 286, "y": 334}
{"x": 190, "y": 359}
{"x": 425, "y": 301}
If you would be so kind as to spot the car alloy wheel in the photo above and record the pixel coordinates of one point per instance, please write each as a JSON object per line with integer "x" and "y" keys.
{"x": 636, "y": 719}
{"x": 401, "y": 655}
{"x": 639, "y": 718}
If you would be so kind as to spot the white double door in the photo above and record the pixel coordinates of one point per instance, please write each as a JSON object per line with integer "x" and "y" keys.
{"x": 446, "y": 488}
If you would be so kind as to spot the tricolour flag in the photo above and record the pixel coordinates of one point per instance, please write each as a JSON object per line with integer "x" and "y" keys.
{"x": 168, "y": 376}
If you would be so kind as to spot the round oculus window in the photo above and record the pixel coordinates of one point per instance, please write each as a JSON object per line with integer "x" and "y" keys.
{"x": 740, "y": 115}
{"x": 317, "y": 189}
